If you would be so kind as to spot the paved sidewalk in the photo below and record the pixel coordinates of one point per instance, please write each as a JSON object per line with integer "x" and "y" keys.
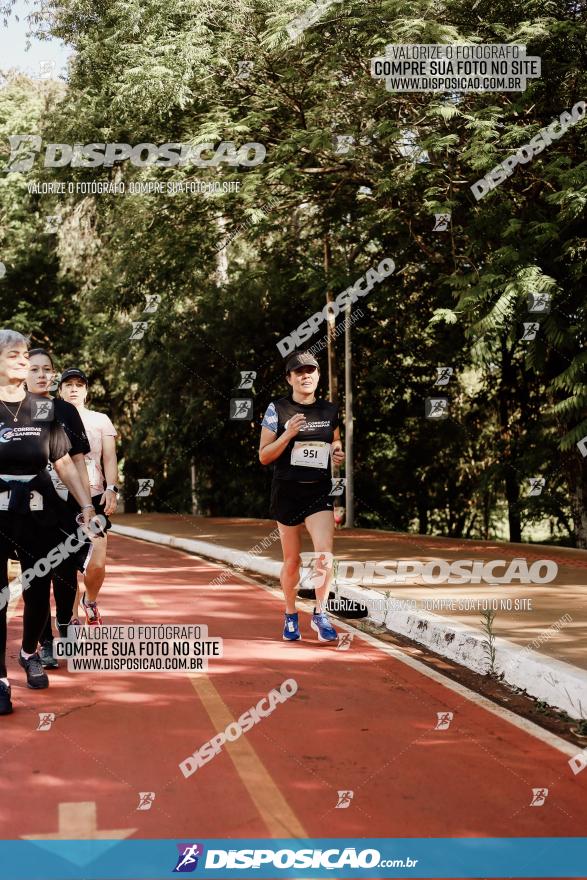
{"x": 548, "y": 620}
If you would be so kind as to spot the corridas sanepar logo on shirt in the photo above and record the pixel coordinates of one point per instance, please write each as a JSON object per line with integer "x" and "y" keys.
{"x": 313, "y": 426}
{"x": 10, "y": 433}
{"x": 6, "y": 434}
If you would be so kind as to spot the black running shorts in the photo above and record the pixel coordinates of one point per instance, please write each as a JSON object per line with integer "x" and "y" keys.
{"x": 292, "y": 502}
{"x": 99, "y": 508}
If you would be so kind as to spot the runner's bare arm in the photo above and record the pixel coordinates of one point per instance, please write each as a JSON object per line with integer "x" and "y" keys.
{"x": 68, "y": 474}
{"x": 80, "y": 463}
{"x": 270, "y": 448}
{"x": 109, "y": 499}
{"x": 337, "y": 450}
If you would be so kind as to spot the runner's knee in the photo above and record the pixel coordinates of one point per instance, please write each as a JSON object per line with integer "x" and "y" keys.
{"x": 98, "y": 557}
{"x": 291, "y": 564}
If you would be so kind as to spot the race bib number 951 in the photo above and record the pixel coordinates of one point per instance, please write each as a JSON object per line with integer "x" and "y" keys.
{"x": 310, "y": 453}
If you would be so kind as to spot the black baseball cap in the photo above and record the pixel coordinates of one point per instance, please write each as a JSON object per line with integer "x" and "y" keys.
{"x": 73, "y": 374}
{"x": 301, "y": 359}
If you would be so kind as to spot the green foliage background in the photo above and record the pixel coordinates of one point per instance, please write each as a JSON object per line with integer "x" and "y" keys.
{"x": 159, "y": 72}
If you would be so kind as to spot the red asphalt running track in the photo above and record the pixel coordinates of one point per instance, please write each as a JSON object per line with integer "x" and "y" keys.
{"x": 361, "y": 721}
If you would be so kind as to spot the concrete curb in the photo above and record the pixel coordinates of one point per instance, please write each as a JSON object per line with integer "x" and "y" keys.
{"x": 558, "y": 684}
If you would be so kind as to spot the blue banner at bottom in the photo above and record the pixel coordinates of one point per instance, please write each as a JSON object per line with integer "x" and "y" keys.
{"x": 275, "y": 858}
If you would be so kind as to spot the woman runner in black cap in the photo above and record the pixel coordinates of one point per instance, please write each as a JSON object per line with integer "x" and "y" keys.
{"x": 103, "y": 476}
{"x": 300, "y": 436}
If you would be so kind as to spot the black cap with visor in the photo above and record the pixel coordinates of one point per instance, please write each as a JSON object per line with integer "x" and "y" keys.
{"x": 300, "y": 359}
{"x": 73, "y": 374}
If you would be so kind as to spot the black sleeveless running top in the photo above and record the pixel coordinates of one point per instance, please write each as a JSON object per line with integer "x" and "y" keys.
{"x": 321, "y": 419}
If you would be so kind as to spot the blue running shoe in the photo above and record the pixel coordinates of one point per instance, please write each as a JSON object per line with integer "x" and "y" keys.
{"x": 291, "y": 629}
{"x": 326, "y": 632}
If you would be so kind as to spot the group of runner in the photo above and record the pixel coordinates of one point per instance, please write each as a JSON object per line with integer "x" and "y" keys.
{"x": 58, "y": 472}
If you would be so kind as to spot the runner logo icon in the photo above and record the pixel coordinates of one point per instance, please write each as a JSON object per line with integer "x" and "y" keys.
{"x": 539, "y": 796}
{"x": 441, "y": 222}
{"x": 153, "y": 300}
{"x": 187, "y": 861}
{"x": 436, "y": 408}
{"x": 443, "y": 375}
{"x": 320, "y": 565}
{"x": 247, "y": 379}
{"x": 138, "y": 329}
{"x": 338, "y": 486}
{"x": 241, "y": 409}
{"x": 530, "y": 330}
{"x": 43, "y": 411}
{"x": 46, "y": 719}
{"x": 539, "y": 302}
{"x": 146, "y": 799}
{"x": 444, "y": 719}
{"x": 536, "y": 485}
{"x": 344, "y": 800}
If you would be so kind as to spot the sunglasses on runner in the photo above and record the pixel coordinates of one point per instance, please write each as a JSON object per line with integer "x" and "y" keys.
{"x": 299, "y": 371}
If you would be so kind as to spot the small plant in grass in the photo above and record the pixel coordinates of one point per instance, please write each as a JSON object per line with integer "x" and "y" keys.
{"x": 580, "y": 729}
{"x": 487, "y": 618}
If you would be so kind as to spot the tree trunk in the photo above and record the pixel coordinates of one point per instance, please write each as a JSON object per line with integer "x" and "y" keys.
{"x": 130, "y": 483}
{"x": 330, "y": 325}
{"x": 221, "y": 254}
{"x": 422, "y": 503}
{"x": 577, "y": 482}
{"x": 486, "y": 514}
{"x": 512, "y": 494}
{"x": 470, "y": 526}
{"x": 195, "y": 505}
{"x": 512, "y": 486}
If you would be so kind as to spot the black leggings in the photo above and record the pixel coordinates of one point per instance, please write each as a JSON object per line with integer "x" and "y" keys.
{"x": 64, "y": 591}
{"x": 23, "y": 535}
{"x": 65, "y": 575}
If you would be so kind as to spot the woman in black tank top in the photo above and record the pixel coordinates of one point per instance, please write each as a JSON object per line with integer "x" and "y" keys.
{"x": 300, "y": 436}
